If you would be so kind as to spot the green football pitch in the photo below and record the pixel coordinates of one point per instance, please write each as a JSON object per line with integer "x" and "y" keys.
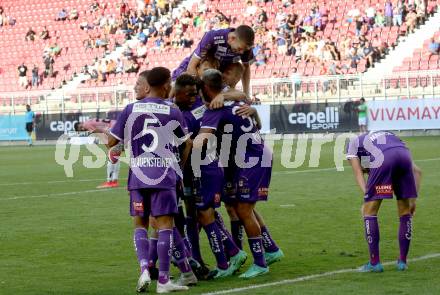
{"x": 60, "y": 235}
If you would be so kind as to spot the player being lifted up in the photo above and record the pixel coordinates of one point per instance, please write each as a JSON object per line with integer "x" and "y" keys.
{"x": 227, "y": 46}
{"x": 149, "y": 127}
{"x": 113, "y": 166}
{"x": 252, "y": 182}
{"x": 390, "y": 170}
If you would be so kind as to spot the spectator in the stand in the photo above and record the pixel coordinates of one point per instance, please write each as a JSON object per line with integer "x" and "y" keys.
{"x": 123, "y": 7}
{"x": 433, "y": 47}
{"x": 354, "y": 56}
{"x": 55, "y": 49}
{"x": 420, "y": 11}
{"x": 88, "y": 43}
{"x": 44, "y": 34}
{"x": 282, "y": 44}
{"x": 22, "y": 78}
{"x": 30, "y": 35}
{"x": 411, "y": 21}
{"x": 141, "y": 50}
{"x": 2, "y": 19}
{"x": 35, "y": 76}
{"x": 379, "y": 19}
{"x": 141, "y": 36}
{"x": 111, "y": 66}
{"x": 132, "y": 67}
{"x": 62, "y": 15}
{"x": 358, "y": 25}
{"x": 251, "y": 9}
{"x": 262, "y": 16}
{"x": 368, "y": 54}
{"x": 94, "y": 6}
{"x": 73, "y": 15}
{"x": 48, "y": 66}
{"x": 119, "y": 66}
{"x": 102, "y": 71}
{"x": 388, "y": 13}
{"x": 398, "y": 13}
{"x": 352, "y": 14}
{"x": 370, "y": 12}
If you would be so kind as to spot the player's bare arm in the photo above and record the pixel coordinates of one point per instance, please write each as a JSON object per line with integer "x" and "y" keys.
{"x": 358, "y": 173}
{"x": 193, "y": 65}
{"x": 246, "y": 79}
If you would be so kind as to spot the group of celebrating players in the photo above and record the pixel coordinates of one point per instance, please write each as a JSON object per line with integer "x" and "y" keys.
{"x": 186, "y": 127}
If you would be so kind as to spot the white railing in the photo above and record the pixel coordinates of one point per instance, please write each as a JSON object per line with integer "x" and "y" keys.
{"x": 270, "y": 91}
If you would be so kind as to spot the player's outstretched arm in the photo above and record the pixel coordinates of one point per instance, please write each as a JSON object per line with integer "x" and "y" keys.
{"x": 192, "y": 65}
{"x": 358, "y": 173}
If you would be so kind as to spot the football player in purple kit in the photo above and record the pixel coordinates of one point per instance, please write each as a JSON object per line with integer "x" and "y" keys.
{"x": 272, "y": 253}
{"x": 149, "y": 127}
{"x": 227, "y": 46}
{"x": 252, "y": 163}
{"x": 207, "y": 189}
{"x": 391, "y": 171}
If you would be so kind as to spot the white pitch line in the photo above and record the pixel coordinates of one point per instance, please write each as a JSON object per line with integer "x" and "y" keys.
{"x": 59, "y": 194}
{"x": 287, "y": 205}
{"x": 312, "y": 277}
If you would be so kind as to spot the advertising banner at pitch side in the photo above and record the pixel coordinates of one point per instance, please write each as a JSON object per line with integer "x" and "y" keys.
{"x": 52, "y": 126}
{"x": 406, "y": 114}
{"x": 314, "y": 118}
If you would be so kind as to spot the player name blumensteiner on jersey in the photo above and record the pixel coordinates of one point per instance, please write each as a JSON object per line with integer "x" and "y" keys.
{"x": 145, "y": 162}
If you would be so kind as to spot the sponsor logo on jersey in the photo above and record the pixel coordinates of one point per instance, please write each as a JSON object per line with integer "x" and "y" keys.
{"x": 138, "y": 206}
{"x": 317, "y": 120}
{"x": 263, "y": 191}
{"x": 150, "y": 107}
{"x": 198, "y": 112}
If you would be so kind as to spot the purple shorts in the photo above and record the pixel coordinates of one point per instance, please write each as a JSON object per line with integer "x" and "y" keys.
{"x": 394, "y": 176}
{"x": 211, "y": 188}
{"x": 229, "y": 188}
{"x": 154, "y": 202}
{"x": 252, "y": 184}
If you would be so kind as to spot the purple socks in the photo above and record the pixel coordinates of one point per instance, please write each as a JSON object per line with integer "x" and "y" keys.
{"x": 179, "y": 253}
{"x": 256, "y": 246}
{"x": 268, "y": 243}
{"x": 405, "y": 234}
{"x": 141, "y": 245}
{"x": 230, "y": 247}
{"x": 372, "y": 236}
{"x": 152, "y": 254}
{"x": 192, "y": 232}
{"x": 215, "y": 241}
{"x": 237, "y": 233}
{"x": 164, "y": 247}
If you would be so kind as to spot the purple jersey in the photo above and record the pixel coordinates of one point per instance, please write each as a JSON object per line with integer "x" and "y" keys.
{"x": 150, "y": 127}
{"x": 193, "y": 116}
{"x": 215, "y": 43}
{"x": 244, "y": 130}
{"x": 389, "y": 163}
{"x": 370, "y": 146}
{"x": 250, "y": 161}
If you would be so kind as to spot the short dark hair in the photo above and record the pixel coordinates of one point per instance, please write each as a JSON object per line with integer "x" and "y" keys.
{"x": 362, "y": 99}
{"x": 213, "y": 79}
{"x": 76, "y": 126}
{"x": 158, "y": 76}
{"x": 145, "y": 74}
{"x": 245, "y": 34}
{"x": 185, "y": 80}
